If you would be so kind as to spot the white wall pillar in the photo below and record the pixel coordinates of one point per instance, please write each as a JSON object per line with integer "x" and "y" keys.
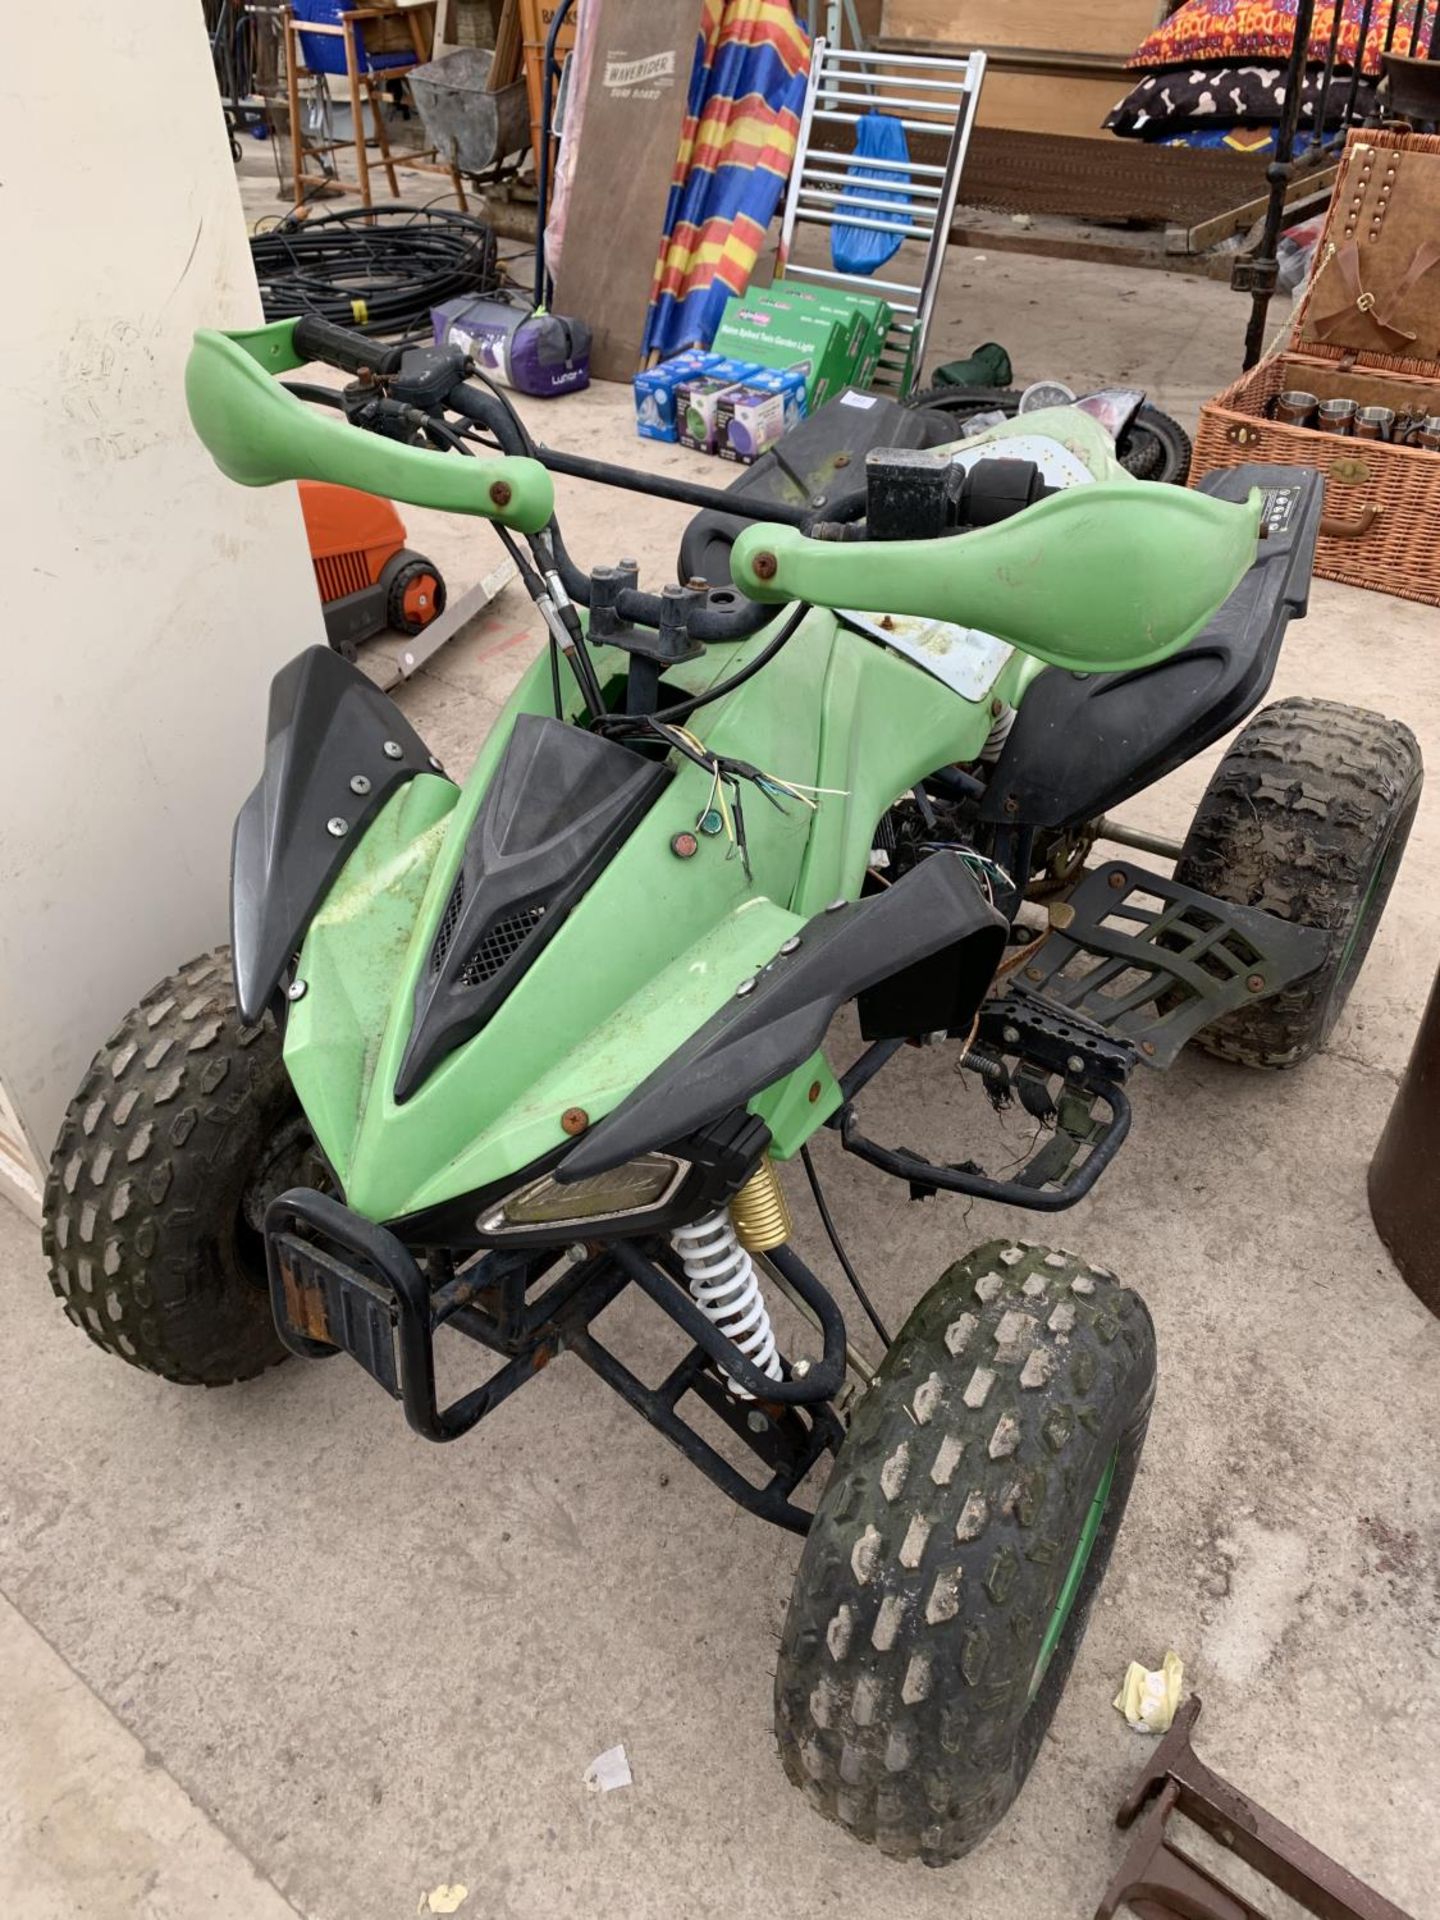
{"x": 147, "y": 601}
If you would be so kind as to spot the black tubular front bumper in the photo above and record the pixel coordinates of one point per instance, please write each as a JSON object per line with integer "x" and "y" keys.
{"x": 339, "y": 1283}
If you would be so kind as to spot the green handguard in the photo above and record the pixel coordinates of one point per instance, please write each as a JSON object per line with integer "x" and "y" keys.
{"x": 1116, "y": 575}
{"x": 258, "y": 434}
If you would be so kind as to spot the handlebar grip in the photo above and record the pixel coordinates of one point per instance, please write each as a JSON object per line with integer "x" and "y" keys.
{"x": 343, "y": 347}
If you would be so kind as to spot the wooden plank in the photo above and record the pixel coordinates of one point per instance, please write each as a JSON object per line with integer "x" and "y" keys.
{"x": 1116, "y": 181}
{"x": 506, "y": 66}
{"x": 634, "y": 108}
{"x": 1303, "y": 197}
{"x": 1065, "y": 104}
{"x": 1084, "y": 26}
{"x": 1054, "y": 237}
{"x": 1034, "y": 89}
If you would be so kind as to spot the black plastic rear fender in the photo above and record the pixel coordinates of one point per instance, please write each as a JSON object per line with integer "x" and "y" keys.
{"x": 330, "y": 733}
{"x": 779, "y": 1018}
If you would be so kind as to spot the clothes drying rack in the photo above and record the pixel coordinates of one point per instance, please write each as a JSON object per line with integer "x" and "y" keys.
{"x": 934, "y": 97}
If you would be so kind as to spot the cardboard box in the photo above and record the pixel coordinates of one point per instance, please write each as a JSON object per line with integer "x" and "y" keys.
{"x": 696, "y": 403}
{"x": 656, "y": 414}
{"x": 865, "y": 317}
{"x": 655, "y": 393}
{"x": 789, "y": 383}
{"x": 752, "y": 416}
{"x": 777, "y": 339}
{"x": 748, "y": 422}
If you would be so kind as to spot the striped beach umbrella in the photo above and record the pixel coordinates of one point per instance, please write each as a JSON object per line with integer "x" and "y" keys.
{"x": 742, "y": 121}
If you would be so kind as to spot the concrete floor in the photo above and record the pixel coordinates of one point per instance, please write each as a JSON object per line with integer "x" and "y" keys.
{"x": 266, "y": 1652}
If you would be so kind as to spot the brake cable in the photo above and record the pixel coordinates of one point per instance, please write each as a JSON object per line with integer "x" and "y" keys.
{"x": 546, "y": 591}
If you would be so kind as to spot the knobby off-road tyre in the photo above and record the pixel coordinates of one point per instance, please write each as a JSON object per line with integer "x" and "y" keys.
{"x": 184, "y": 1124}
{"x": 1154, "y": 448}
{"x": 927, "y": 1642}
{"x": 1307, "y": 816}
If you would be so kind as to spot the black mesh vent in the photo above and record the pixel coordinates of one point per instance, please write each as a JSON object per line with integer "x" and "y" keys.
{"x": 499, "y": 943}
{"x": 448, "y": 925}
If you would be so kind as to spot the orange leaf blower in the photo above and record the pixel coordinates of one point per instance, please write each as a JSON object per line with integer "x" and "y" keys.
{"x": 368, "y": 578}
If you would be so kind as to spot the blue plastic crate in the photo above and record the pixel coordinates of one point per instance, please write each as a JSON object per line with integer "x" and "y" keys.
{"x": 325, "y": 53}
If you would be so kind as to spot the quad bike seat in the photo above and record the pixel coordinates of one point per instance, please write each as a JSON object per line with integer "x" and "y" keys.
{"x": 1082, "y": 743}
{"x": 823, "y": 456}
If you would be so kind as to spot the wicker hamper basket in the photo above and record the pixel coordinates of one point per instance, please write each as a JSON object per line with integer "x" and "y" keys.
{"x": 1368, "y": 329}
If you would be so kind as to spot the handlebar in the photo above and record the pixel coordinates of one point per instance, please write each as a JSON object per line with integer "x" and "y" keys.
{"x": 342, "y": 347}
{"x": 1111, "y": 574}
{"x": 258, "y": 435}
{"x": 724, "y": 615}
{"x": 1118, "y": 574}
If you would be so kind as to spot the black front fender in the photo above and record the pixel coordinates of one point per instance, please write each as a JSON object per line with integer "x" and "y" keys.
{"x": 336, "y": 750}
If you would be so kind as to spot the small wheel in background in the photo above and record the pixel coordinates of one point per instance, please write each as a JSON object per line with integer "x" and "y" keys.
{"x": 414, "y": 594}
{"x": 1154, "y": 447}
{"x": 947, "y": 1579}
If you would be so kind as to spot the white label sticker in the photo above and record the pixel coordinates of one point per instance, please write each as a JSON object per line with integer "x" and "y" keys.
{"x": 857, "y": 399}
{"x": 622, "y": 75}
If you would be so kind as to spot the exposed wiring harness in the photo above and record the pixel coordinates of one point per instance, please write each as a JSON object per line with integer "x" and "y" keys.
{"x": 377, "y": 269}
{"x": 723, "y": 811}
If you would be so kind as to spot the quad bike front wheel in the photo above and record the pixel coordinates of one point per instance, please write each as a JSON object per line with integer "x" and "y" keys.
{"x": 1306, "y": 816}
{"x": 185, "y": 1126}
{"x": 947, "y": 1579}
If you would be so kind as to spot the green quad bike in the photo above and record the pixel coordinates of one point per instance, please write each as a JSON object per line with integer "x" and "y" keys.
{"x": 494, "y": 1054}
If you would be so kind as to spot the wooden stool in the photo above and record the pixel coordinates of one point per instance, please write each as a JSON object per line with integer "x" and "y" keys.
{"x": 362, "y": 79}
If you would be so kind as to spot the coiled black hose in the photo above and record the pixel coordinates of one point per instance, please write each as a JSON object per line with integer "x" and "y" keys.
{"x": 376, "y": 269}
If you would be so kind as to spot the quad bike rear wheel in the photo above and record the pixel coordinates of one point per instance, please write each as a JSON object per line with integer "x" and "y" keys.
{"x": 184, "y": 1127}
{"x": 1306, "y": 816}
{"x": 947, "y": 1579}
{"x": 1153, "y": 447}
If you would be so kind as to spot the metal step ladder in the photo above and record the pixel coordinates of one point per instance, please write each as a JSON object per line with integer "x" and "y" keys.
{"x": 934, "y": 97}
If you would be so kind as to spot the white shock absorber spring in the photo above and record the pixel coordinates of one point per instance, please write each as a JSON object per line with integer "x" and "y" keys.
{"x": 725, "y": 1287}
{"x": 1004, "y": 720}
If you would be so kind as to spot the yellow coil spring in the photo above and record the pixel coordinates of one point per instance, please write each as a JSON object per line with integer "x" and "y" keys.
{"x": 761, "y": 1217}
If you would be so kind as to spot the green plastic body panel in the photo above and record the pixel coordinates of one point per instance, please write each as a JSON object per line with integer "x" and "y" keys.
{"x": 646, "y": 956}
{"x": 1111, "y": 575}
{"x": 258, "y": 434}
{"x": 1115, "y": 575}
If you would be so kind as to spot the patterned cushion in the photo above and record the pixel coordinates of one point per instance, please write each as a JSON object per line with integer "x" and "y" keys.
{"x": 1265, "y": 29}
{"x": 1184, "y": 97}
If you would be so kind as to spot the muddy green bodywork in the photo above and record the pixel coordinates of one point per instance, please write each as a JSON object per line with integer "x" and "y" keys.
{"x": 1112, "y": 575}
{"x": 654, "y": 948}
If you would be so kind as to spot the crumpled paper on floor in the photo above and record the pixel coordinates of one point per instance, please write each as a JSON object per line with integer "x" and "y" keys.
{"x": 1149, "y": 1699}
{"x": 444, "y": 1899}
{"x": 609, "y": 1770}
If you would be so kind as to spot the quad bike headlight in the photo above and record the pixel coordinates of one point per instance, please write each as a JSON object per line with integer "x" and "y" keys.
{"x": 640, "y": 1186}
